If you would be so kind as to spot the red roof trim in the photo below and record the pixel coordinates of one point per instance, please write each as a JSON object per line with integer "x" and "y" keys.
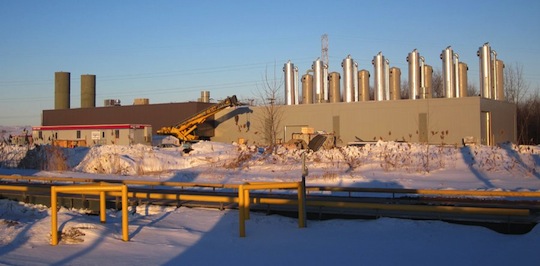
{"x": 82, "y": 127}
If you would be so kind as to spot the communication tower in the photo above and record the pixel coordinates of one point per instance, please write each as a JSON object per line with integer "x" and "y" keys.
{"x": 324, "y": 48}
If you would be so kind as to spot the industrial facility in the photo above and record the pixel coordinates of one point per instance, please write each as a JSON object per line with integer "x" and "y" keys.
{"x": 348, "y": 107}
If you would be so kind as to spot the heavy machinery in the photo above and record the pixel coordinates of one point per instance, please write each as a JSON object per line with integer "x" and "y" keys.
{"x": 184, "y": 130}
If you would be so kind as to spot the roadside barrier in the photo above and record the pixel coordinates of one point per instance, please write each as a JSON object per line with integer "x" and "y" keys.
{"x": 244, "y": 201}
{"x": 89, "y": 189}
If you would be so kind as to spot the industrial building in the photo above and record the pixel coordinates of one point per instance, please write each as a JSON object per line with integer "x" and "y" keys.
{"x": 325, "y": 103}
{"x": 89, "y": 135}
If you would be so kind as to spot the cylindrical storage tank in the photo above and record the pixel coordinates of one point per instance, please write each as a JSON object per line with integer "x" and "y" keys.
{"x": 484, "y": 54}
{"x": 334, "y": 91}
{"x": 205, "y": 96}
{"x": 427, "y": 90}
{"x": 414, "y": 74}
{"x": 379, "y": 65}
{"x": 348, "y": 76}
{"x": 499, "y": 70}
{"x": 307, "y": 89}
{"x": 395, "y": 83}
{"x": 296, "y": 87}
{"x": 463, "y": 80}
{"x": 318, "y": 80}
{"x": 363, "y": 85}
{"x": 62, "y": 90}
{"x": 447, "y": 57}
{"x": 88, "y": 91}
{"x": 288, "y": 70}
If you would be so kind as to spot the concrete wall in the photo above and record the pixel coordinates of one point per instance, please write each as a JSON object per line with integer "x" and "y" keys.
{"x": 435, "y": 121}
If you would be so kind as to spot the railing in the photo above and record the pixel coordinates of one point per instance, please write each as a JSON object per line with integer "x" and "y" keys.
{"x": 101, "y": 188}
{"x": 244, "y": 201}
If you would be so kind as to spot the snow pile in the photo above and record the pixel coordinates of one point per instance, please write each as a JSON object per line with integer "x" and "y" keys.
{"x": 386, "y": 164}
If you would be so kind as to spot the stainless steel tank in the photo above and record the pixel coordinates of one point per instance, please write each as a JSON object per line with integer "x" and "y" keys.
{"x": 307, "y": 89}
{"x": 290, "y": 84}
{"x": 363, "y": 85}
{"x": 379, "y": 64}
{"x": 319, "y": 79}
{"x": 463, "y": 80}
{"x": 484, "y": 54}
{"x": 427, "y": 77}
{"x": 447, "y": 57}
{"x": 414, "y": 74}
{"x": 334, "y": 91}
{"x": 348, "y": 76}
{"x": 395, "y": 83}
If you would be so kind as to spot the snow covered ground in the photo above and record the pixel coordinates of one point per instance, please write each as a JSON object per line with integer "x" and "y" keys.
{"x": 171, "y": 236}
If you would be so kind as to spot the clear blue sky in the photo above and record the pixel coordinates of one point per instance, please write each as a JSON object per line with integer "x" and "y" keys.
{"x": 169, "y": 51}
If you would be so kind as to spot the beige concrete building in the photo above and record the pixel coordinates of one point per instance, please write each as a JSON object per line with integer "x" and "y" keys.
{"x": 436, "y": 121}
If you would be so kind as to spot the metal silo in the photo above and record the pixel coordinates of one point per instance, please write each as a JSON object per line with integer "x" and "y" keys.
{"x": 395, "y": 83}
{"x": 307, "y": 89}
{"x": 334, "y": 91}
{"x": 319, "y": 80}
{"x": 463, "y": 80}
{"x": 484, "y": 53}
{"x": 380, "y": 77}
{"x": 499, "y": 73}
{"x": 205, "y": 97}
{"x": 88, "y": 91}
{"x": 427, "y": 76}
{"x": 290, "y": 83}
{"x": 414, "y": 74}
{"x": 348, "y": 76}
{"x": 61, "y": 90}
{"x": 447, "y": 57}
{"x": 363, "y": 85}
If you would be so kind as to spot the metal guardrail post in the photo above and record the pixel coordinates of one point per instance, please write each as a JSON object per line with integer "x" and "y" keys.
{"x": 84, "y": 189}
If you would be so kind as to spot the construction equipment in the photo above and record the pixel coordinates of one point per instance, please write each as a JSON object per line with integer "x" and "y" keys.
{"x": 184, "y": 130}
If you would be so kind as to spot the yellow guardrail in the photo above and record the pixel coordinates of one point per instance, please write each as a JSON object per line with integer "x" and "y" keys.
{"x": 87, "y": 188}
{"x": 244, "y": 201}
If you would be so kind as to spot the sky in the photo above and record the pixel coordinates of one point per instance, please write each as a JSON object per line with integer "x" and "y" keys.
{"x": 170, "y": 51}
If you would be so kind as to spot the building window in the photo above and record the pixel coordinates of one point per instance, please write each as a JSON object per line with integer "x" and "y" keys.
{"x": 40, "y": 136}
{"x": 117, "y": 134}
{"x": 78, "y": 134}
{"x": 103, "y": 135}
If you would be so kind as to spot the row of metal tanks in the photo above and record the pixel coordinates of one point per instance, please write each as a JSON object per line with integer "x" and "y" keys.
{"x": 319, "y": 86}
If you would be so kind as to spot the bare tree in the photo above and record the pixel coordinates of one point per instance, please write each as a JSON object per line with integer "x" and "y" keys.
{"x": 404, "y": 93}
{"x": 472, "y": 90}
{"x": 437, "y": 84}
{"x": 270, "y": 99}
{"x": 515, "y": 86}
